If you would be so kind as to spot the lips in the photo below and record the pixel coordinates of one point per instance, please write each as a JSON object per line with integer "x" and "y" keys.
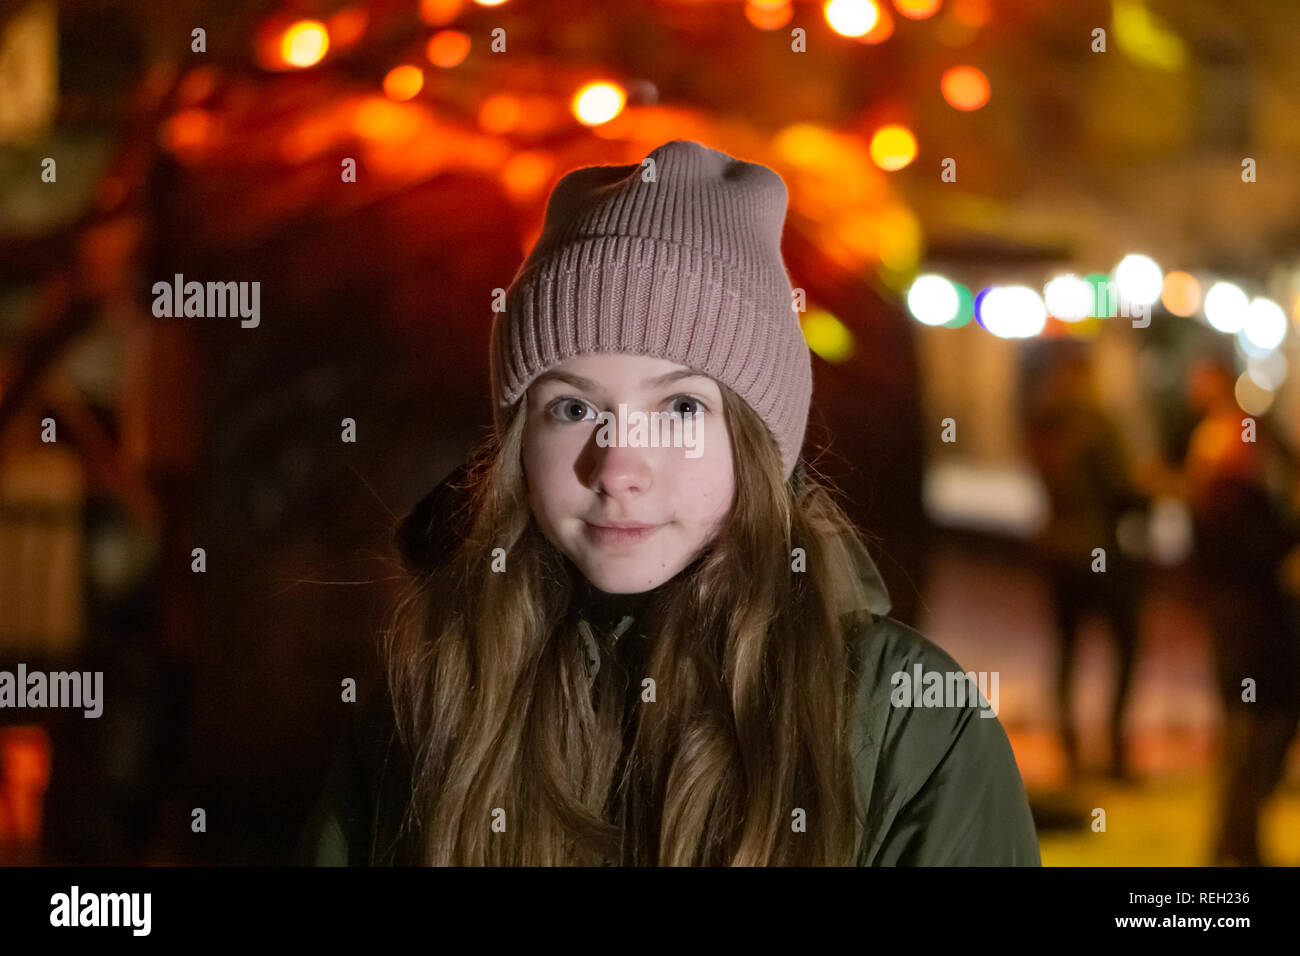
{"x": 623, "y": 533}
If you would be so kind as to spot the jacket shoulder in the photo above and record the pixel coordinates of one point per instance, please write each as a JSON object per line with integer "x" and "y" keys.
{"x": 357, "y": 818}
{"x": 939, "y": 780}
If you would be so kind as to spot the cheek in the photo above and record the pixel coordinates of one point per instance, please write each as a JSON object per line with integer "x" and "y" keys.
{"x": 706, "y": 492}
{"x": 553, "y": 488}
{"x": 539, "y": 482}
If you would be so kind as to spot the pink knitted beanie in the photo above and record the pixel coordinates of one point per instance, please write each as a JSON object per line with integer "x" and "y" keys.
{"x": 680, "y": 260}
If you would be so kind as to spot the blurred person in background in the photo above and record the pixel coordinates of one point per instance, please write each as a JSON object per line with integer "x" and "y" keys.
{"x": 1080, "y": 457}
{"x": 1240, "y": 489}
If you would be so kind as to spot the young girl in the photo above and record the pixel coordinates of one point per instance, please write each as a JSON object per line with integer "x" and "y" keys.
{"x": 617, "y": 649}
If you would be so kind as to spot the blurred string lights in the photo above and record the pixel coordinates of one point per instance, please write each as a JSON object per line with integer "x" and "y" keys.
{"x": 286, "y": 43}
{"x": 858, "y": 226}
{"x": 1076, "y": 305}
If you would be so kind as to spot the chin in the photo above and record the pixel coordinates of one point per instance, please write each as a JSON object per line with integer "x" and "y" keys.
{"x": 610, "y": 581}
{"x": 615, "y": 575}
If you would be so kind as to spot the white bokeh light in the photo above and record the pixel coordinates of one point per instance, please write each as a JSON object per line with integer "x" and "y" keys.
{"x": 1225, "y": 307}
{"x": 933, "y": 300}
{"x": 1013, "y": 311}
{"x": 1070, "y": 298}
{"x": 1264, "y": 325}
{"x": 1139, "y": 279}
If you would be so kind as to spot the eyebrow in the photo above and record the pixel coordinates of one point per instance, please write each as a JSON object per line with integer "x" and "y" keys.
{"x": 577, "y": 381}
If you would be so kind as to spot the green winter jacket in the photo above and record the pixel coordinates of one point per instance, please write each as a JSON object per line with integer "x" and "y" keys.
{"x": 940, "y": 784}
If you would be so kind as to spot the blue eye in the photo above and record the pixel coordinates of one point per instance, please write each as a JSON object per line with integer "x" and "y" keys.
{"x": 562, "y": 407}
{"x": 689, "y": 398}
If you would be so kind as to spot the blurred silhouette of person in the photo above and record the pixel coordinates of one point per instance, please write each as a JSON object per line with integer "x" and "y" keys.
{"x": 1239, "y": 492}
{"x": 1080, "y": 456}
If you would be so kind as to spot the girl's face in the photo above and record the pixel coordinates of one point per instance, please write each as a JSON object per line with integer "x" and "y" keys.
{"x": 585, "y": 475}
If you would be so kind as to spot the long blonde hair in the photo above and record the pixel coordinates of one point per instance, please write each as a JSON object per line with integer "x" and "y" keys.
{"x": 753, "y": 673}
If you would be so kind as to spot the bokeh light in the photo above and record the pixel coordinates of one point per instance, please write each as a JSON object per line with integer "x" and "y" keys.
{"x": 305, "y": 43}
{"x": 1139, "y": 279}
{"x": 526, "y": 174}
{"x": 964, "y": 87}
{"x": 1181, "y": 294}
{"x": 1070, "y": 298}
{"x": 499, "y": 113}
{"x": 965, "y": 307}
{"x": 768, "y": 14}
{"x": 186, "y": 130}
{"x": 1253, "y": 396}
{"x": 933, "y": 300}
{"x": 598, "y": 103}
{"x": 882, "y": 30}
{"x": 1264, "y": 324}
{"x": 893, "y": 147}
{"x": 851, "y": 18}
{"x": 448, "y": 48}
{"x": 403, "y": 82}
{"x": 826, "y": 335}
{"x": 917, "y": 9}
{"x": 1012, "y": 312}
{"x": 1225, "y": 307}
{"x": 438, "y": 13}
{"x": 346, "y": 27}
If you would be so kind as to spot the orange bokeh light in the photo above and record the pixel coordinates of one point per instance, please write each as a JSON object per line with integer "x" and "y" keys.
{"x": 347, "y": 26}
{"x": 499, "y": 113}
{"x": 187, "y": 129}
{"x": 448, "y": 48}
{"x": 1181, "y": 293}
{"x": 768, "y": 14}
{"x": 384, "y": 121}
{"x": 917, "y": 9}
{"x": 964, "y": 87}
{"x": 304, "y": 43}
{"x": 436, "y": 13}
{"x": 527, "y": 174}
{"x": 25, "y": 758}
{"x": 403, "y": 82}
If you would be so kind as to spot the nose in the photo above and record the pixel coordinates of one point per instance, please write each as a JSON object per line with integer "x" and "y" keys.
{"x": 619, "y": 470}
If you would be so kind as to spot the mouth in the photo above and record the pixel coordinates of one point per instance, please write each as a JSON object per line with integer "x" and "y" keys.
{"x": 623, "y": 534}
